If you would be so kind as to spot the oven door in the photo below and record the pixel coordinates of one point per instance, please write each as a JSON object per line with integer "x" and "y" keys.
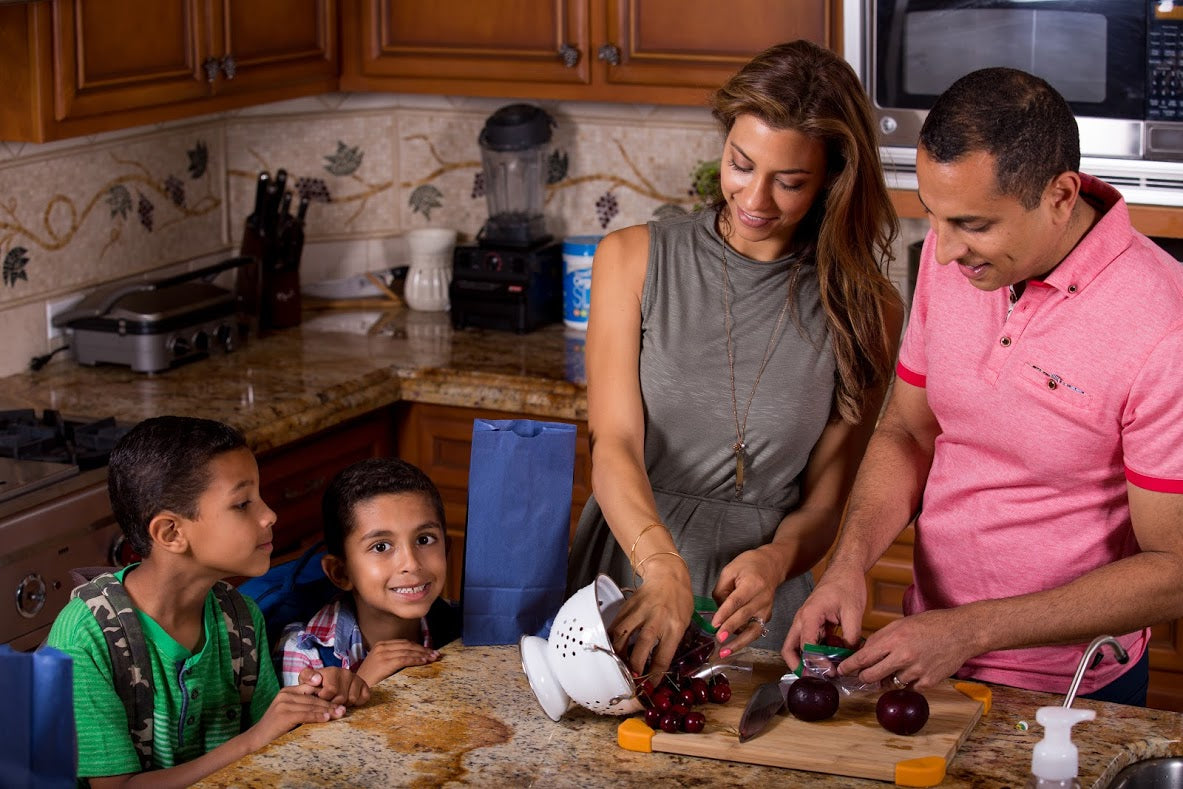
{"x": 70, "y": 526}
{"x": 1092, "y": 51}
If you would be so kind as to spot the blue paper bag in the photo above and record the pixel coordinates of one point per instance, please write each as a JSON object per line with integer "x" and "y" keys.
{"x": 519, "y": 522}
{"x": 39, "y": 747}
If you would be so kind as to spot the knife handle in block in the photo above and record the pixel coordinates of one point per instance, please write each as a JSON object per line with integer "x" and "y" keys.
{"x": 634, "y": 735}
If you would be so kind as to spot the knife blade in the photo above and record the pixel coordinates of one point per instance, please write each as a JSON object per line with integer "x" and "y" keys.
{"x": 765, "y": 703}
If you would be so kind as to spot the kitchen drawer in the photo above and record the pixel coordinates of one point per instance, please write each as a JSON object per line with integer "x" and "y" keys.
{"x": 294, "y": 477}
{"x": 887, "y": 582}
{"x": 438, "y": 439}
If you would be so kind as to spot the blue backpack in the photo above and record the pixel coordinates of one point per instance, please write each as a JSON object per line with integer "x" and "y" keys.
{"x": 292, "y": 592}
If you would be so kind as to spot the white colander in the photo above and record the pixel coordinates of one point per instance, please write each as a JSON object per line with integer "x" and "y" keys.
{"x": 577, "y": 662}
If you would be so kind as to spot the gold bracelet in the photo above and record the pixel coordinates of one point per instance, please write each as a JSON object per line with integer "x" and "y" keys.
{"x": 632, "y": 552}
{"x": 658, "y": 553}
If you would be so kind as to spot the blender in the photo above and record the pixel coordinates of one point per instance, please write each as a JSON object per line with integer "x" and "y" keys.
{"x": 512, "y": 278}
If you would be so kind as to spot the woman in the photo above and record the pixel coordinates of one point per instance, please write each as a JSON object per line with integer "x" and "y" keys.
{"x": 737, "y": 359}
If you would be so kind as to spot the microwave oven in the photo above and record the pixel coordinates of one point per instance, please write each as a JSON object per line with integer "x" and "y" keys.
{"x": 1119, "y": 63}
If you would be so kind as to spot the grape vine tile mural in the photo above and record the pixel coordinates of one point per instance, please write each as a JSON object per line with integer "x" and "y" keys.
{"x": 137, "y": 196}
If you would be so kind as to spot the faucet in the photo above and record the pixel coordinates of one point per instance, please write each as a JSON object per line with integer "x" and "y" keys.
{"x": 1098, "y": 642}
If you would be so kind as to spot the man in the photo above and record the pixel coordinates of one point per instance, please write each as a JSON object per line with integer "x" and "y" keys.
{"x": 1036, "y": 411}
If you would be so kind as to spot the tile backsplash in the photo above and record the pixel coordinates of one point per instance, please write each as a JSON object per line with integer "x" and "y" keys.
{"x": 79, "y": 213}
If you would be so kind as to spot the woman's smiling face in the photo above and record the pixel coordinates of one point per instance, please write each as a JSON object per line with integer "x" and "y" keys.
{"x": 770, "y": 179}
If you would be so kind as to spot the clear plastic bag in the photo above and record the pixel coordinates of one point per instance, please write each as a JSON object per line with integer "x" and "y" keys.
{"x": 698, "y": 643}
{"x": 820, "y": 660}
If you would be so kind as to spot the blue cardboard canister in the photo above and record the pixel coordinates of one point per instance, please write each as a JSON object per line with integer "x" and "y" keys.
{"x": 578, "y": 252}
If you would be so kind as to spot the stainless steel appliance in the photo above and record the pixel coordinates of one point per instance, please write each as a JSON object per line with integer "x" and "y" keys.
{"x": 1119, "y": 63}
{"x": 154, "y": 325}
{"x": 54, "y": 515}
{"x": 512, "y": 279}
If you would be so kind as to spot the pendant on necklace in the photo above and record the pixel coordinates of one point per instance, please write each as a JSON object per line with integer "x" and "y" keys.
{"x": 740, "y": 450}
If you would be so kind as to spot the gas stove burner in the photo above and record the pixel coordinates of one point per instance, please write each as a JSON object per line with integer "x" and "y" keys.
{"x": 53, "y": 438}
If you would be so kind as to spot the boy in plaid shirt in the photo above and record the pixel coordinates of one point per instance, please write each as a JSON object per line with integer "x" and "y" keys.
{"x": 384, "y": 548}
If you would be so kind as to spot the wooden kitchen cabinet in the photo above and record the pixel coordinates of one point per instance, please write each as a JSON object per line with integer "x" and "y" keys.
{"x": 75, "y": 67}
{"x": 650, "y": 51}
{"x": 438, "y": 439}
{"x": 293, "y": 477}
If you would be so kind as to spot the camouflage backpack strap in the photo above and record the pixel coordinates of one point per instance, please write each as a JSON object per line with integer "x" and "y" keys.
{"x": 244, "y": 644}
{"x": 131, "y": 670}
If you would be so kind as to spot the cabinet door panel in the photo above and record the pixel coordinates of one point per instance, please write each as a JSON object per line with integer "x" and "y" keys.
{"x": 700, "y": 43}
{"x": 293, "y": 478}
{"x": 515, "y": 40}
{"x": 116, "y": 54}
{"x": 276, "y": 42}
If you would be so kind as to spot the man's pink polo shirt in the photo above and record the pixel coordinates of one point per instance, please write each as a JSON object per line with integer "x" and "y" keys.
{"x": 1045, "y": 417}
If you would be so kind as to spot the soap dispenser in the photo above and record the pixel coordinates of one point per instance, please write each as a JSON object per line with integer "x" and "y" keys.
{"x": 1054, "y": 762}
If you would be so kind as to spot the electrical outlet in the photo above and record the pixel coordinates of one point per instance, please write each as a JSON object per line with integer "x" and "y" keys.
{"x": 54, "y": 308}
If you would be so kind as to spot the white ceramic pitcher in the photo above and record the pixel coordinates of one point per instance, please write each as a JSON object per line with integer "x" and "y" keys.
{"x": 430, "y": 272}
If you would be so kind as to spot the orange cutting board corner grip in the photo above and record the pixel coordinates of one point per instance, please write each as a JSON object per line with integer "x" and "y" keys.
{"x": 634, "y": 735}
{"x": 925, "y": 771}
{"x": 852, "y": 743}
{"x": 977, "y": 692}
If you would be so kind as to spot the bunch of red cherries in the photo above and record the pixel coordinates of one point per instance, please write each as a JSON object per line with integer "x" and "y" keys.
{"x": 669, "y": 705}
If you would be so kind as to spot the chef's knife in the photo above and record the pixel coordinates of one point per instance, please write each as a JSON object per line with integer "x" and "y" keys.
{"x": 766, "y": 702}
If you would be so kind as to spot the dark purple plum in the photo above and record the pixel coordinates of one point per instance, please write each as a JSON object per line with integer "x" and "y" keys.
{"x": 902, "y": 711}
{"x": 813, "y": 699}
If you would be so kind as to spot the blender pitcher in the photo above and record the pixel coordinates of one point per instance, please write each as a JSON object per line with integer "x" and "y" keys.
{"x": 513, "y": 156}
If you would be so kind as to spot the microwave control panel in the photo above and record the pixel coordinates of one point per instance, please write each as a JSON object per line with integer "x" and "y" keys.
{"x": 1164, "y": 62}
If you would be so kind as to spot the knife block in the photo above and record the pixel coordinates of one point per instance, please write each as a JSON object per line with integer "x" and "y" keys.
{"x": 268, "y": 290}
{"x": 248, "y": 286}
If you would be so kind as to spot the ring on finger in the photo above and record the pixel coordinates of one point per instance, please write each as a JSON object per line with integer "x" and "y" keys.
{"x": 898, "y": 682}
{"x": 763, "y": 625}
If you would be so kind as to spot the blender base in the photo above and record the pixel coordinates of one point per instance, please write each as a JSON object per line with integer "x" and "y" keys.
{"x": 507, "y": 288}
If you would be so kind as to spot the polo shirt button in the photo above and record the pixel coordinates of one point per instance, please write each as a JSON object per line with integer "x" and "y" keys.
{"x": 1005, "y": 341}
{"x": 195, "y": 693}
{"x": 1071, "y": 288}
{"x": 190, "y": 720}
{"x": 1051, "y": 384}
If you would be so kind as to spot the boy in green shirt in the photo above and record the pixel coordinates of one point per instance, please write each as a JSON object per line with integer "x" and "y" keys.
{"x": 186, "y": 494}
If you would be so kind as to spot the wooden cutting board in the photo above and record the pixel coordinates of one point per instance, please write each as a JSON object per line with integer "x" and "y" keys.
{"x": 852, "y": 743}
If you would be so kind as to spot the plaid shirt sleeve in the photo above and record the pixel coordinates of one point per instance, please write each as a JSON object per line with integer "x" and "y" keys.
{"x": 293, "y": 658}
{"x": 298, "y": 649}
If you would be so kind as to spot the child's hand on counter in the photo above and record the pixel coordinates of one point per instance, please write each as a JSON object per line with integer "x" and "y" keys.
{"x": 387, "y": 657}
{"x": 337, "y": 685}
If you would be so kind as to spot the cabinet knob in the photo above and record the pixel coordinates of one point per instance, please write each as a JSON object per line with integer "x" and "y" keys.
{"x": 30, "y": 596}
{"x": 569, "y": 55}
{"x": 229, "y": 66}
{"x": 211, "y": 66}
{"x": 610, "y": 54}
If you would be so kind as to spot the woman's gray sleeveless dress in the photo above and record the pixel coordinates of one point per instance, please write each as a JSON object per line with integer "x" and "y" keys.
{"x": 689, "y": 422}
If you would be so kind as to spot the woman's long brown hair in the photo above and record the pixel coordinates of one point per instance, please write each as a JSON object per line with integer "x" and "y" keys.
{"x": 852, "y": 224}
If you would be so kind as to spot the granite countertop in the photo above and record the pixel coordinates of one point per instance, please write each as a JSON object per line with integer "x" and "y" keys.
{"x": 338, "y": 364}
{"x": 471, "y": 720}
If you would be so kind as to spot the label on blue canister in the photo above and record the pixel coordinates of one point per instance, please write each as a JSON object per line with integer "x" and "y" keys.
{"x": 578, "y": 252}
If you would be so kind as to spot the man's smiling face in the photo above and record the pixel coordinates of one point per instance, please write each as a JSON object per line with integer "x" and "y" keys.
{"x": 994, "y": 240}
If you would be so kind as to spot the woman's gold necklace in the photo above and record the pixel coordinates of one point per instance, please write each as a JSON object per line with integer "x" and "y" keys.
{"x": 740, "y": 447}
